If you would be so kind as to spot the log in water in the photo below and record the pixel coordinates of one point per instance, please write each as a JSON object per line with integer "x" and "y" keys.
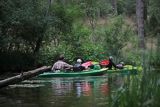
{"x": 23, "y": 76}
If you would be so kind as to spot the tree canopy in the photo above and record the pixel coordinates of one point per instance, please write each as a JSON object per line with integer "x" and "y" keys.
{"x": 35, "y": 32}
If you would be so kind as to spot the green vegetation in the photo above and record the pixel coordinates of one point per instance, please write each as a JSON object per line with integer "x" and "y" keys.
{"x": 35, "y": 32}
{"x": 138, "y": 91}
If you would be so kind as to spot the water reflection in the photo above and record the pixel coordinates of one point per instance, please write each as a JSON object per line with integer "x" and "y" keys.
{"x": 61, "y": 92}
{"x": 83, "y": 88}
{"x": 61, "y": 87}
{"x": 104, "y": 88}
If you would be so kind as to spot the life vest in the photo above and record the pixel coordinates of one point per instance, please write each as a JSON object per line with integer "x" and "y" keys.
{"x": 87, "y": 64}
{"x": 104, "y": 62}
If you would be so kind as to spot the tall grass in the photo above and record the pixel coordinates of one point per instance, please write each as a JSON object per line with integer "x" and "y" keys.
{"x": 139, "y": 91}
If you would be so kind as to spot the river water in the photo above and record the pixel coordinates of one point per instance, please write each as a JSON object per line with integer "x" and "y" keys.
{"x": 93, "y": 91}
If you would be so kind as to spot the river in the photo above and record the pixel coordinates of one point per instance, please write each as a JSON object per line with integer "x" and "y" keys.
{"x": 94, "y": 91}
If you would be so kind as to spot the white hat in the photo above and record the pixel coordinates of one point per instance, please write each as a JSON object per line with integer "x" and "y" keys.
{"x": 79, "y": 60}
{"x": 110, "y": 57}
{"x": 122, "y": 63}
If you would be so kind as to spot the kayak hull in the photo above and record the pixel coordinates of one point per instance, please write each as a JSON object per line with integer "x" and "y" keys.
{"x": 128, "y": 69}
{"x": 75, "y": 74}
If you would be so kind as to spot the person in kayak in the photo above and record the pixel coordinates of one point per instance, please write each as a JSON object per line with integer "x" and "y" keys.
{"x": 78, "y": 66}
{"x": 108, "y": 63}
{"x": 120, "y": 65}
{"x": 61, "y": 65}
{"x": 111, "y": 63}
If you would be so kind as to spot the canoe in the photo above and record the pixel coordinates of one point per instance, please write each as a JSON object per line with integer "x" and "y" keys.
{"x": 125, "y": 71}
{"x": 91, "y": 72}
{"x": 128, "y": 69}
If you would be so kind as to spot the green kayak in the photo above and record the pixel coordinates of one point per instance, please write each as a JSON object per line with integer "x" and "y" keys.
{"x": 91, "y": 72}
{"x": 128, "y": 69}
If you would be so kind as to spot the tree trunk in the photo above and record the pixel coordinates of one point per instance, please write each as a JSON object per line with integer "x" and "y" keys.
{"x": 23, "y": 76}
{"x": 146, "y": 2}
{"x": 49, "y": 7}
{"x": 158, "y": 47}
{"x": 141, "y": 33}
{"x": 140, "y": 22}
{"x": 114, "y": 6}
{"x": 38, "y": 44}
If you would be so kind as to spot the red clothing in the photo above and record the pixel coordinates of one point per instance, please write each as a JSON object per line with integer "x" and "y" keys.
{"x": 104, "y": 62}
{"x": 107, "y": 63}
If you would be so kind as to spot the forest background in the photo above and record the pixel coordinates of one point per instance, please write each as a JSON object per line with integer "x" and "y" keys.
{"x": 35, "y": 32}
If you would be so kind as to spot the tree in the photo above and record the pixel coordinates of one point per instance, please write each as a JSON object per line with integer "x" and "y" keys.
{"x": 140, "y": 22}
{"x": 114, "y": 6}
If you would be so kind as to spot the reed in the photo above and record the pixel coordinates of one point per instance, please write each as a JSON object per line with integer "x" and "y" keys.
{"x": 142, "y": 90}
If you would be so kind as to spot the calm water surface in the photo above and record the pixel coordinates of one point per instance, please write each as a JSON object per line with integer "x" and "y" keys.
{"x": 62, "y": 92}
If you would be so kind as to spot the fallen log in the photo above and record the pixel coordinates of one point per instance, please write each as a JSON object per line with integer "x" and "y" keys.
{"x": 23, "y": 76}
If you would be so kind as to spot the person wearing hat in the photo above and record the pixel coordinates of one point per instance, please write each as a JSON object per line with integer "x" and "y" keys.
{"x": 61, "y": 65}
{"x": 111, "y": 63}
{"x": 78, "y": 66}
{"x": 120, "y": 65}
